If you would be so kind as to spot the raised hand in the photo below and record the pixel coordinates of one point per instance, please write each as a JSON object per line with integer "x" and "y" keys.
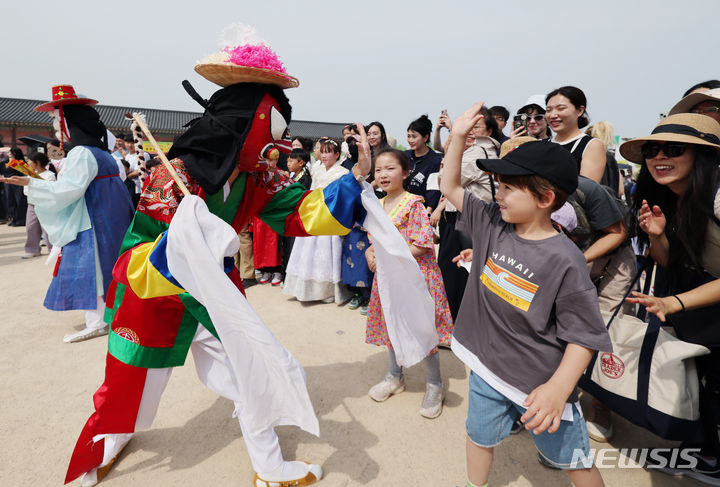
{"x": 652, "y": 220}
{"x": 364, "y": 154}
{"x": 462, "y": 125}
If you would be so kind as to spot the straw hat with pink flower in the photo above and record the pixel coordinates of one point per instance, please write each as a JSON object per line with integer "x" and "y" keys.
{"x": 244, "y": 58}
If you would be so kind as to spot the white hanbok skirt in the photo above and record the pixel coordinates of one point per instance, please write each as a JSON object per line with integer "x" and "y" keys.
{"x": 314, "y": 271}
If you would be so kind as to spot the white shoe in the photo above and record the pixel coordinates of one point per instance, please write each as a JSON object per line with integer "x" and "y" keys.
{"x": 599, "y": 424}
{"x": 432, "y": 402}
{"x": 85, "y": 334}
{"x": 383, "y": 390}
{"x": 89, "y": 479}
{"x": 598, "y": 432}
{"x": 276, "y": 279}
{"x": 290, "y": 474}
{"x": 329, "y": 300}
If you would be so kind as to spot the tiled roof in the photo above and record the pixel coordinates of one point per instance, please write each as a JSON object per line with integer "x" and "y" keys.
{"x": 21, "y": 112}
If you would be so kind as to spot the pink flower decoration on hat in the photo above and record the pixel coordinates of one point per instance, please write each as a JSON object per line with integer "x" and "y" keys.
{"x": 257, "y": 56}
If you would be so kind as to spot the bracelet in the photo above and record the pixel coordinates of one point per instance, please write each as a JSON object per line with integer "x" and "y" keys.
{"x": 679, "y": 301}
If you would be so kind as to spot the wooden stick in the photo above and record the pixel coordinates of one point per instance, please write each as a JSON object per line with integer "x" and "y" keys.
{"x": 160, "y": 154}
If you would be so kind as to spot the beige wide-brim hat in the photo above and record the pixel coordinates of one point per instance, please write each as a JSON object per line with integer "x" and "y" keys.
{"x": 687, "y": 103}
{"x": 690, "y": 128}
{"x": 226, "y": 74}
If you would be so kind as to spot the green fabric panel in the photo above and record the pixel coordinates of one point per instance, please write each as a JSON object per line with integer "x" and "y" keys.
{"x": 282, "y": 204}
{"x": 146, "y": 357}
{"x": 227, "y": 210}
{"x": 119, "y": 295}
{"x": 199, "y": 312}
{"x": 142, "y": 229}
{"x": 155, "y": 357}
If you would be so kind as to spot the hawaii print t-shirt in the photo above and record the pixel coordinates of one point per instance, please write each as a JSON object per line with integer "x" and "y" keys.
{"x": 524, "y": 301}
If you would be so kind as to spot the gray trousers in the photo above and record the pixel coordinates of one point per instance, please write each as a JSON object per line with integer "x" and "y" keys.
{"x": 34, "y": 231}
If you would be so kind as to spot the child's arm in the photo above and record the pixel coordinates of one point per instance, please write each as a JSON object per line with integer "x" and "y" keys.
{"x": 418, "y": 251}
{"x": 545, "y": 404}
{"x": 450, "y": 183}
{"x": 614, "y": 236}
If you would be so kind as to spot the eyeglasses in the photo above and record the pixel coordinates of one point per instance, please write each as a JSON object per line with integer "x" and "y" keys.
{"x": 538, "y": 118}
{"x": 670, "y": 149}
{"x": 706, "y": 110}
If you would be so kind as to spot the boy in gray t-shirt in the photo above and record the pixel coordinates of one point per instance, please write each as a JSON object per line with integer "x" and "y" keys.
{"x": 529, "y": 320}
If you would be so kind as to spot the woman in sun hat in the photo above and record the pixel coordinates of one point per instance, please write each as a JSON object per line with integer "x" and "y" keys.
{"x": 678, "y": 203}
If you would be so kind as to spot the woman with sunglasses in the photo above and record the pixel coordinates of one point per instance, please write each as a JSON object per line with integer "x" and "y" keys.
{"x": 532, "y": 118}
{"x": 678, "y": 202}
{"x": 566, "y": 114}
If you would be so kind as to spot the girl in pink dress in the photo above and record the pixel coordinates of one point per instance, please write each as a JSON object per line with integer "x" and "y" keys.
{"x": 408, "y": 214}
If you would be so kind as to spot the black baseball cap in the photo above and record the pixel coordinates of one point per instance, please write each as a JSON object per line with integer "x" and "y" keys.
{"x": 545, "y": 159}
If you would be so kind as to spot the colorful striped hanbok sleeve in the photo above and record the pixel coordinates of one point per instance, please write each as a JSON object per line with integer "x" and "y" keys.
{"x": 332, "y": 210}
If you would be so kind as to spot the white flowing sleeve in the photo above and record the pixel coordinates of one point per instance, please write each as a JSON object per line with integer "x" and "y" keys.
{"x": 60, "y": 205}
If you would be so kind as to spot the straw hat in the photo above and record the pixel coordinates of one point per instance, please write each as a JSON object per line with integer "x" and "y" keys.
{"x": 226, "y": 74}
{"x": 690, "y": 128}
{"x": 687, "y": 103}
{"x": 512, "y": 144}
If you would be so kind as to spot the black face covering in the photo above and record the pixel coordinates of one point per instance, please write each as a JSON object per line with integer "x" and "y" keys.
{"x": 85, "y": 127}
{"x": 211, "y": 144}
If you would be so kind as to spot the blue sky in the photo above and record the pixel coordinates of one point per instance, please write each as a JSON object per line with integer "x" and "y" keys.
{"x": 387, "y": 61}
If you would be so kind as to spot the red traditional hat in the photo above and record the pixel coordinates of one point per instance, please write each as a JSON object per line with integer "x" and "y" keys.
{"x": 63, "y": 95}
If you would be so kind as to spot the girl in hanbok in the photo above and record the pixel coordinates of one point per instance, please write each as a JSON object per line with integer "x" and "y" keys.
{"x": 314, "y": 269}
{"x": 407, "y": 212}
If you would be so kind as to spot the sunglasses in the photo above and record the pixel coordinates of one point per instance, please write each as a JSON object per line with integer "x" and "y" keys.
{"x": 670, "y": 149}
{"x": 521, "y": 118}
{"x": 706, "y": 110}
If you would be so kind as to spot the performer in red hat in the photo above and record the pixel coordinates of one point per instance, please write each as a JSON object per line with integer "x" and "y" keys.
{"x": 85, "y": 212}
{"x": 170, "y": 293}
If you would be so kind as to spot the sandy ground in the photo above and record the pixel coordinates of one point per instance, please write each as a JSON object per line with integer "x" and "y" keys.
{"x": 47, "y": 389}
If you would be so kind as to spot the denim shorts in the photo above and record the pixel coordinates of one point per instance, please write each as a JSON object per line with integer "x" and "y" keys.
{"x": 491, "y": 416}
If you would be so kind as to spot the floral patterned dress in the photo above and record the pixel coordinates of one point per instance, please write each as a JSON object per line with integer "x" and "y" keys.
{"x": 410, "y": 218}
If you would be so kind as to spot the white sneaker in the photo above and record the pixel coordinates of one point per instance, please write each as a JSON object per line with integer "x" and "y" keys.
{"x": 383, "y": 390}
{"x": 599, "y": 424}
{"x": 432, "y": 402}
{"x": 276, "y": 279}
{"x": 85, "y": 334}
{"x": 598, "y": 432}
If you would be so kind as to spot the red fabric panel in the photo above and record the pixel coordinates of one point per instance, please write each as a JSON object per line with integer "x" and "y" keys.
{"x": 155, "y": 321}
{"x": 117, "y": 402}
{"x": 266, "y": 251}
